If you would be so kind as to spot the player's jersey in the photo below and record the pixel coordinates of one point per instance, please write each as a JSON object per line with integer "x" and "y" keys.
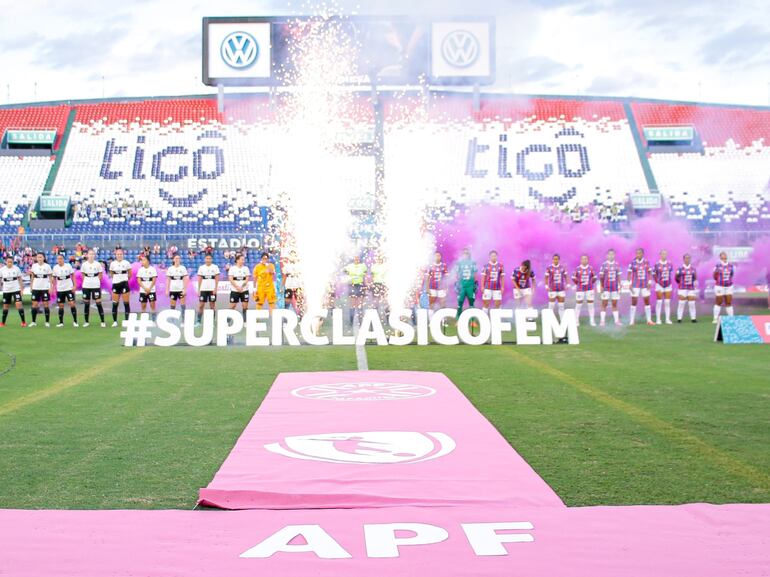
{"x": 11, "y": 278}
{"x": 609, "y": 276}
{"x": 208, "y": 273}
{"x": 436, "y": 275}
{"x": 263, "y": 276}
{"x": 465, "y": 270}
{"x": 145, "y": 276}
{"x": 493, "y": 276}
{"x": 119, "y": 270}
{"x": 91, "y": 271}
{"x": 663, "y": 273}
{"x": 239, "y": 274}
{"x": 291, "y": 275}
{"x": 584, "y": 278}
{"x": 42, "y": 280}
{"x": 640, "y": 273}
{"x": 356, "y": 272}
{"x": 63, "y": 275}
{"x": 555, "y": 277}
{"x": 724, "y": 273}
{"x": 686, "y": 277}
{"x": 523, "y": 279}
{"x": 378, "y": 272}
{"x": 175, "y": 276}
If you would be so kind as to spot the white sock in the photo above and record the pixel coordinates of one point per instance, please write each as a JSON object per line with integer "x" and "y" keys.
{"x": 552, "y": 305}
{"x": 578, "y": 306}
{"x": 717, "y": 309}
{"x": 679, "y": 310}
{"x": 658, "y": 308}
{"x": 591, "y": 312}
{"x": 561, "y": 310}
{"x": 603, "y": 315}
{"x": 730, "y": 311}
{"x": 616, "y": 316}
{"x": 648, "y": 312}
{"x": 691, "y": 305}
{"x": 485, "y": 309}
{"x": 632, "y": 313}
{"x": 667, "y": 308}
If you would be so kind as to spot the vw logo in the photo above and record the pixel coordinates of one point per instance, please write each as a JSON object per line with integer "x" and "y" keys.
{"x": 239, "y": 50}
{"x": 460, "y": 48}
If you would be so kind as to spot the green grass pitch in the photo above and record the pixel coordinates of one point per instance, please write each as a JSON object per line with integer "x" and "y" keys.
{"x": 644, "y": 415}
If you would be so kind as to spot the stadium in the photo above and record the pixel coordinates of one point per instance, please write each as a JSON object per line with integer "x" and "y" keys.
{"x": 576, "y": 288}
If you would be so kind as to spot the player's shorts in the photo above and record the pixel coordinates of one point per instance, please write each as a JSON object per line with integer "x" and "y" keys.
{"x": 637, "y": 292}
{"x": 378, "y": 289}
{"x": 723, "y": 290}
{"x": 292, "y": 293}
{"x": 207, "y": 297}
{"x": 663, "y": 289}
{"x": 40, "y": 295}
{"x": 92, "y": 293}
{"x": 265, "y": 294}
{"x": 176, "y": 295}
{"x": 14, "y": 297}
{"x": 610, "y": 295}
{"x": 147, "y": 297}
{"x": 437, "y": 293}
{"x": 556, "y": 295}
{"x": 236, "y": 297}
{"x": 120, "y": 288}
{"x": 491, "y": 295}
{"x": 521, "y": 293}
{"x": 65, "y": 296}
{"x": 356, "y": 290}
{"x": 687, "y": 293}
{"x": 581, "y": 296}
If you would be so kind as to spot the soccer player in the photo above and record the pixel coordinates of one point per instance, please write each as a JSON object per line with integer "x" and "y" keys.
{"x": 264, "y": 278}
{"x": 640, "y": 276}
{"x": 292, "y": 284}
{"x": 663, "y": 273}
{"x": 10, "y": 275}
{"x": 356, "y": 272}
{"x": 41, "y": 288}
{"x": 379, "y": 288}
{"x": 239, "y": 284}
{"x": 437, "y": 274}
{"x": 120, "y": 272}
{"x": 176, "y": 287}
{"x": 556, "y": 282}
{"x": 466, "y": 283}
{"x": 208, "y": 277}
{"x": 724, "y": 273}
{"x": 523, "y": 284}
{"x": 609, "y": 281}
{"x": 92, "y": 286}
{"x": 147, "y": 276}
{"x": 65, "y": 289}
{"x": 492, "y": 281}
{"x": 686, "y": 278}
{"x": 584, "y": 278}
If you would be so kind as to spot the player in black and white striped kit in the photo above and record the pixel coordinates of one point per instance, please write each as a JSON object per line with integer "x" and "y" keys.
{"x": 176, "y": 285}
{"x": 147, "y": 277}
{"x": 10, "y": 276}
{"x": 65, "y": 289}
{"x": 40, "y": 273}
{"x": 92, "y": 286}
{"x": 120, "y": 271}
{"x": 239, "y": 285}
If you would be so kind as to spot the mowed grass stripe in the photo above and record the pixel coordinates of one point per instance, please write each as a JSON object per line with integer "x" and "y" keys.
{"x": 72, "y": 381}
{"x": 723, "y": 460}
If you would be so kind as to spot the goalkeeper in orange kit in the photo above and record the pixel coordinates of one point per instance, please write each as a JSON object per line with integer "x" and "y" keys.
{"x": 264, "y": 277}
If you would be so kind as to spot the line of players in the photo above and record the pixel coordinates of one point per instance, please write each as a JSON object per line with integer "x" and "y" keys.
{"x": 641, "y": 276}
{"x": 60, "y": 280}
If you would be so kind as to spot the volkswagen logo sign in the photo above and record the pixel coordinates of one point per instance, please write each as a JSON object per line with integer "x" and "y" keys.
{"x": 239, "y": 50}
{"x": 460, "y": 48}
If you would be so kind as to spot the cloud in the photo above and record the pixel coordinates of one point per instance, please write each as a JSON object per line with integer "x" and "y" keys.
{"x": 80, "y": 49}
{"x": 536, "y": 69}
{"x": 622, "y": 84}
{"x": 741, "y": 45}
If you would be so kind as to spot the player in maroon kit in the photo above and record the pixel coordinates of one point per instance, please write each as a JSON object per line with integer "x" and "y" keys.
{"x": 640, "y": 276}
{"x": 686, "y": 277}
{"x": 436, "y": 280}
{"x": 523, "y": 280}
{"x": 724, "y": 274}
{"x": 663, "y": 273}
{"x": 492, "y": 281}
{"x": 556, "y": 282}
{"x": 609, "y": 280}
{"x": 584, "y": 278}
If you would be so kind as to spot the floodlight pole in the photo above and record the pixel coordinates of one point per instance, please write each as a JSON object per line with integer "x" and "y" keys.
{"x": 476, "y": 98}
{"x": 379, "y": 151}
{"x": 221, "y": 98}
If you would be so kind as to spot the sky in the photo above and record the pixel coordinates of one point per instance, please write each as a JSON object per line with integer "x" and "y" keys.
{"x": 708, "y": 50}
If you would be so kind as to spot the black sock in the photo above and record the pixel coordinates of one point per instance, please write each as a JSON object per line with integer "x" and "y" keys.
{"x": 5, "y": 315}
{"x": 115, "y": 311}
{"x": 100, "y": 309}
{"x": 126, "y": 310}
{"x": 87, "y": 310}
{"x": 34, "y": 314}
{"x": 47, "y": 312}
{"x": 21, "y": 314}
{"x": 74, "y": 311}
{"x": 61, "y": 315}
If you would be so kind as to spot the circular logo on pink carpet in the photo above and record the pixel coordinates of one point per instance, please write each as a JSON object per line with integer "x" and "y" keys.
{"x": 365, "y": 391}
